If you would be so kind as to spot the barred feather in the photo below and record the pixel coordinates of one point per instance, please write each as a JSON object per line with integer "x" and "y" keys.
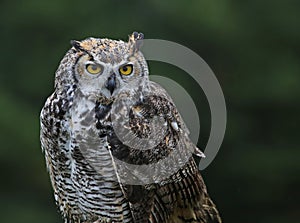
{"x": 90, "y": 165}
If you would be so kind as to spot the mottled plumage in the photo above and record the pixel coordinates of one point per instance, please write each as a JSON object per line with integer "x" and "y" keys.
{"x": 116, "y": 148}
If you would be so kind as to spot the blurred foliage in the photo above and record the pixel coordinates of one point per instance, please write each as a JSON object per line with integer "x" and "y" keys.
{"x": 253, "y": 48}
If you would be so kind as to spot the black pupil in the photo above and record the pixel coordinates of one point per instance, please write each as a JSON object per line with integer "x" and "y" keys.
{"x": 94, "y": 67}
{"x": 125, "y": 69}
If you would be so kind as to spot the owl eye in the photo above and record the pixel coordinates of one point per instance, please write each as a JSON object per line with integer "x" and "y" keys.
{"x": 126, "y": 69}
{"x": 93, "y": 68}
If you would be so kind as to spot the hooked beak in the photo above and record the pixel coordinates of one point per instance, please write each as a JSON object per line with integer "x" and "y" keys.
{"x": 111, "y": 83}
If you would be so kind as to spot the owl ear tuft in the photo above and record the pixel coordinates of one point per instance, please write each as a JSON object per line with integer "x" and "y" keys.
{"x": 77, "y": 45}
{"x": 136, "y": 41}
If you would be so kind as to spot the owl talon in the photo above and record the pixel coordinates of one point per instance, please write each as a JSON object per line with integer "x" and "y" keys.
{"x": 175, "y": 125}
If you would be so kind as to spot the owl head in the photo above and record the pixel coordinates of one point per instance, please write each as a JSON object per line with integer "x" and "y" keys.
{"x": 104, "y": 67}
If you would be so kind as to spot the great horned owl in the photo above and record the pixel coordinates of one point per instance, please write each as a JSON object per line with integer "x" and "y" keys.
{"x": 115, "y": 146}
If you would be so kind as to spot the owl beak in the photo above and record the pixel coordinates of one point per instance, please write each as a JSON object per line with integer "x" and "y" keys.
{"x": 111, "y": 83}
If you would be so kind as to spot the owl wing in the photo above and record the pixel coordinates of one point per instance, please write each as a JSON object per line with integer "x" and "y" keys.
{"x": 177, "y": 193}
{"x": 54, "y": 139}
{"x": 185, "y": 199}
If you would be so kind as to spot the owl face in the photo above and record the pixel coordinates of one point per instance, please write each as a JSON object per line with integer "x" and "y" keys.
{"x": 109, "y": 67}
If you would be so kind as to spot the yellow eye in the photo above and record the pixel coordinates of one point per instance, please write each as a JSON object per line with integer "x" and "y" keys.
{"x": 126, "y": 69}
{"x": 93, "y": 68}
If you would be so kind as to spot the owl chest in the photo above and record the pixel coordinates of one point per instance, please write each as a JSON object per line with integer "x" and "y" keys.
{"x": 91, "y": 167}
{"x": 90, "y": 118}
{"x": 89, "y": 129}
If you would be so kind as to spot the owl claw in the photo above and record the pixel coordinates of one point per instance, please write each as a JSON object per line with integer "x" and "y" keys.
{"x": 175, "y": 125}
{"x": 199, "y": 153}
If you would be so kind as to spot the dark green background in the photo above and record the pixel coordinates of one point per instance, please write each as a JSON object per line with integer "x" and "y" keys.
{"x": 252, "y": 46}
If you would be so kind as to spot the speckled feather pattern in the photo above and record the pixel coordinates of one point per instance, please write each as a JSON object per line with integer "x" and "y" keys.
{"x": 84, "y": 153}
